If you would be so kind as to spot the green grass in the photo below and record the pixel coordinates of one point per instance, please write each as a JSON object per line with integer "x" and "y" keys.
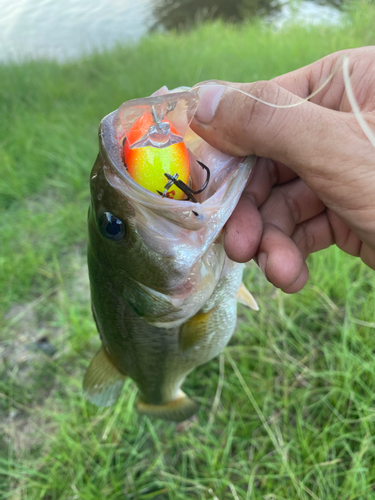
{"x": 287, "y": 411}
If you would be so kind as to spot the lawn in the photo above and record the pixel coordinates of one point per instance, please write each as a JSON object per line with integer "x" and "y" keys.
{"x": 287, "y": 410}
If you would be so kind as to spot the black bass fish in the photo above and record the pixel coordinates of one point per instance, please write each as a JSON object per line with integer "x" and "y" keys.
{"x": 163, "y": 291}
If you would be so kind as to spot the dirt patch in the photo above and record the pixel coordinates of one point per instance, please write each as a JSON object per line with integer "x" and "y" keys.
{"x": 32, "y": 342}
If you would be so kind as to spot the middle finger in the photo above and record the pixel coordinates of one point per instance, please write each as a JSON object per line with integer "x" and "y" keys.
{"x": 244, "y": 228}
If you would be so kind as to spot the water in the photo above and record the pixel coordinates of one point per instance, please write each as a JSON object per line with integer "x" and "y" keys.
{"x": 308, "y": 12}
{"x": 64, "y": 29}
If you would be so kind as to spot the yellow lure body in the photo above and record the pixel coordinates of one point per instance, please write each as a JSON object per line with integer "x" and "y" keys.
{"x": 147, "y": 165}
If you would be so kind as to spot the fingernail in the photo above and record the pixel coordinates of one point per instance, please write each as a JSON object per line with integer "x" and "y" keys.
{"x": 209, "y": 98}
{"x": 262, "y": 262}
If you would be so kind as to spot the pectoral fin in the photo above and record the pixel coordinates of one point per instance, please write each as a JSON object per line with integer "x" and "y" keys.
{"x": 194, "y": 330}
{"x": 244, "y": 297}
{"x": 178, "y": 410}
{"x": 103, "y": 383}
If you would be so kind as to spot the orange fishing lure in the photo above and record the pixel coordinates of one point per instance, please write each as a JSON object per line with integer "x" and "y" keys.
{"x": 147, "y": 165}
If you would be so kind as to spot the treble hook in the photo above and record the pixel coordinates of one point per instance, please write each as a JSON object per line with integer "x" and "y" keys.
{"x": 173, "y": 179}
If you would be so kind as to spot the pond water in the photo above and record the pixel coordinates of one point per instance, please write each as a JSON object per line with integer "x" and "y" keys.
{"x": 65, "y": 29}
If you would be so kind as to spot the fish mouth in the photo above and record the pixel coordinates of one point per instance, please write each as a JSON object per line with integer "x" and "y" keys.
{"x": 228, "y": 177}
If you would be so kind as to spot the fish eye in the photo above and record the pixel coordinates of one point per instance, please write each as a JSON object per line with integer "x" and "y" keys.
{"x": 111, "y": 227}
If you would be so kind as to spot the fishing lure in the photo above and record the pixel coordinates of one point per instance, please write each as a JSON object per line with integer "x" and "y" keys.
{"x": 154, "y": 151}
{"x": 149, "y": 164}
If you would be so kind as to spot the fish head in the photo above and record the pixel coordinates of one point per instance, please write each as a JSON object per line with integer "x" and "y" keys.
{"x": 163, "y": 255}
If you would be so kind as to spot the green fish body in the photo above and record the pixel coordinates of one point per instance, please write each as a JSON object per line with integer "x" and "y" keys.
{"x": 164, "y": 294}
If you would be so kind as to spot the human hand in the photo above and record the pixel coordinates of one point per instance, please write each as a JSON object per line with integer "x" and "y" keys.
{"x": 313, "y": 184}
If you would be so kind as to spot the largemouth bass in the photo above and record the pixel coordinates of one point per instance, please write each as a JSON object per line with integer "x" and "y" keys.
{"x": 163, "y": 291}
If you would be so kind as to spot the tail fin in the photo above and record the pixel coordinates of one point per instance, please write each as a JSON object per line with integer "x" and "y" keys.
{"x": 178, "y": 410}
{"x": 103, "y": 382}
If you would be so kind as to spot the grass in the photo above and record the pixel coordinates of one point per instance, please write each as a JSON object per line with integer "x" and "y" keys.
{"x": 287, "y": 411}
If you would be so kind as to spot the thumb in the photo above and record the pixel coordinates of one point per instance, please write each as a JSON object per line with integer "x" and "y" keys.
{"x": 310, "y": 139}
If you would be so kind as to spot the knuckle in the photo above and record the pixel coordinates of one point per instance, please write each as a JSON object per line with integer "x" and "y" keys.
{"x": 292, "y": 206}
{"x": 261, "y": 121}
{"x": 304, "y": 239}
{"x": 249, "y": 115}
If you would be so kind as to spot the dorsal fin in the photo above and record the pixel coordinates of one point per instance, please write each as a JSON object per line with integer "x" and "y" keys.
{"x": 244, "y": 297}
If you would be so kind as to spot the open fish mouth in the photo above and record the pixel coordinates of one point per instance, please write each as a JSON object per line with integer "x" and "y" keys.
{"x": 228, "y": 175}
